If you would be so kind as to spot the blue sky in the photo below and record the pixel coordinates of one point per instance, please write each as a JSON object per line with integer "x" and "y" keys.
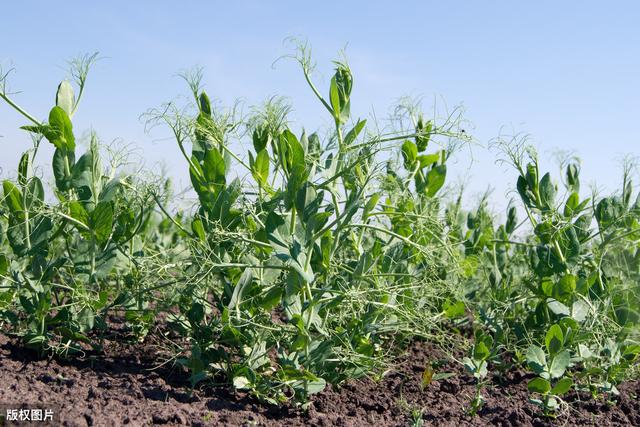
{"x": 564, "y": 72}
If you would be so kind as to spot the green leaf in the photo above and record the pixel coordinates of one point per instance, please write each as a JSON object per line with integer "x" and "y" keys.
{"x": 65, "y": 97}
{"x": 34, "y": 194}
{"x": 241, "y": 382}
{"x": 536, "y": 359}
{"x": 428, "y": 159}
{"x": 554, "y": 339}
{"x": 86, "y": 319}
{"x": 4, "y": 265}
{"x": 238, "y": 290}
{"x": 512, "y": 220}
{"x": 525, "y": 193}
{"x": 198, "y": 229}
{"x": 60, "y": 132}
{"x": 559, "y": 364}
{"x": 480, "y": 351}
{"x": 79, "y": 213}
{"x": 23, "y": 169}
{"x": 62, "y": 164}
{"x": 204, "y": 104}
{"x": 539, "y": 385}
{"x": 570, "y": 207}
{"x": 13, "y": 199}
{"x": 409, "y": 154}
{"x": 547, "y": 191}
{"x": 82, "y": 176}
{"x": 353, "y": 133}
{"x": 260, "y": 167}
{"x": 214, "y": 168}
{"x": 435, "y": 179}
{"x": 295, "y": 151}
{"x": 315, "y": 386}
{"x": 423, "y": 133}
{"x": 573, "y": 180}
{"x": 271, "y": 299}
{"x": 286, "y": 248}
{"x": 261, "y": 138}
{"x": 566, "y": 286}
{"x": 102, "y": 221}
{"x": 453, "y": 309}
{"x": 334, "y": 97}
{"x": 562, "y": 386}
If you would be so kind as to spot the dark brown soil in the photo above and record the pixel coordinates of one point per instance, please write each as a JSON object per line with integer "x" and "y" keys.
{"x": 125, "y": 386}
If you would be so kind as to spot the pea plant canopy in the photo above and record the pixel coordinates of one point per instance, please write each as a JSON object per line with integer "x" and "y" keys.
{"x": 315, "y": 257}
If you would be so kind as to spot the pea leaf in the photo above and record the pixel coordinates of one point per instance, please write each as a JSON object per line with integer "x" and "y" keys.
{"x": 409, "y": 154}
{"x": 559, "y": 364}
{"x": 547, "y": 191}
{"x": 213, "y": 167}
{"x": 60, "y": 130}
{"x": 536, "y": 359}
{"x": 428, "y": 159}
{"x": 562, "y": 386}
{"x": 566, "y": 286}
{"x": 435, "y": 179}
{"x": 353, "y": 133}
{"x": 65, "y": 97}
{"x": 23, "y": 169}
{"x": 79, "y": 213}
{"x": 102, "y": 221}
{"x": 480, "y": 351}
{"x": 539, "y": 385}
{"x": 4, "y": 265}
{"x": 554, "y": 339}
{"x": 13, "y": 198}
{"x": 260, "y": 167}
{"x": 570, "y": 207}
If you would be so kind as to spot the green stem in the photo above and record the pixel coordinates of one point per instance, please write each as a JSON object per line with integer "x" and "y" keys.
{"x": 19, "y": 109}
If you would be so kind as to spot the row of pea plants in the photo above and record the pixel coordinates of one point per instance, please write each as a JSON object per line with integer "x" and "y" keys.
{"x": 314, "y": 258}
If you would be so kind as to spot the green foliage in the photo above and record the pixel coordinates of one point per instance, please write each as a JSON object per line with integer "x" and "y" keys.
{"x": 308, "y": 259}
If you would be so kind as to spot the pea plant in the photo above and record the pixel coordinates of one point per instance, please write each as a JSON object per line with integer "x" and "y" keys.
{"x": 308, "y": 258}
{"x": 302, "y": 270}
{"x": 70, "y": 261}
{"x": 556, "y": 286}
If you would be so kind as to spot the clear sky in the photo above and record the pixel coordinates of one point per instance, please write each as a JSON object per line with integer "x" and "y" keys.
{"x": 564, "y": 72}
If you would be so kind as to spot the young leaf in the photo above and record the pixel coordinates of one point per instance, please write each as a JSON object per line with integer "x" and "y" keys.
{"x": 409, "y": 154}
{"x": 60, "y": 132}
{"x": 562, "y": 386}
{"x": 102, "y": 221}
{"x": 547, "y": 191}
{"x": 566, "y": 286}
{"x": 536, "y": 359}
{"x": 214, "y": 168}
{"x": 512, "y": 220}
{"x": 13, "y": 198}
{"x": 204, "y": 104}
{"x": 571, "y": 205}
{"x": 559, "y": 364}
{"x": 4, "y": 265}
{"x": 353, "y": 133}
{"x": 435, "y": 179}
{"x": 65, "y": 98}
{"x": 480, "y": 351}
{"x": 260, "y": 167}
{"x": 23, "y": 169}
{"x": 554, "y": 339}
{"x": 198, "y": 229}
{"x": 539, "y": 385}
{"x": 427, "y": 160}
